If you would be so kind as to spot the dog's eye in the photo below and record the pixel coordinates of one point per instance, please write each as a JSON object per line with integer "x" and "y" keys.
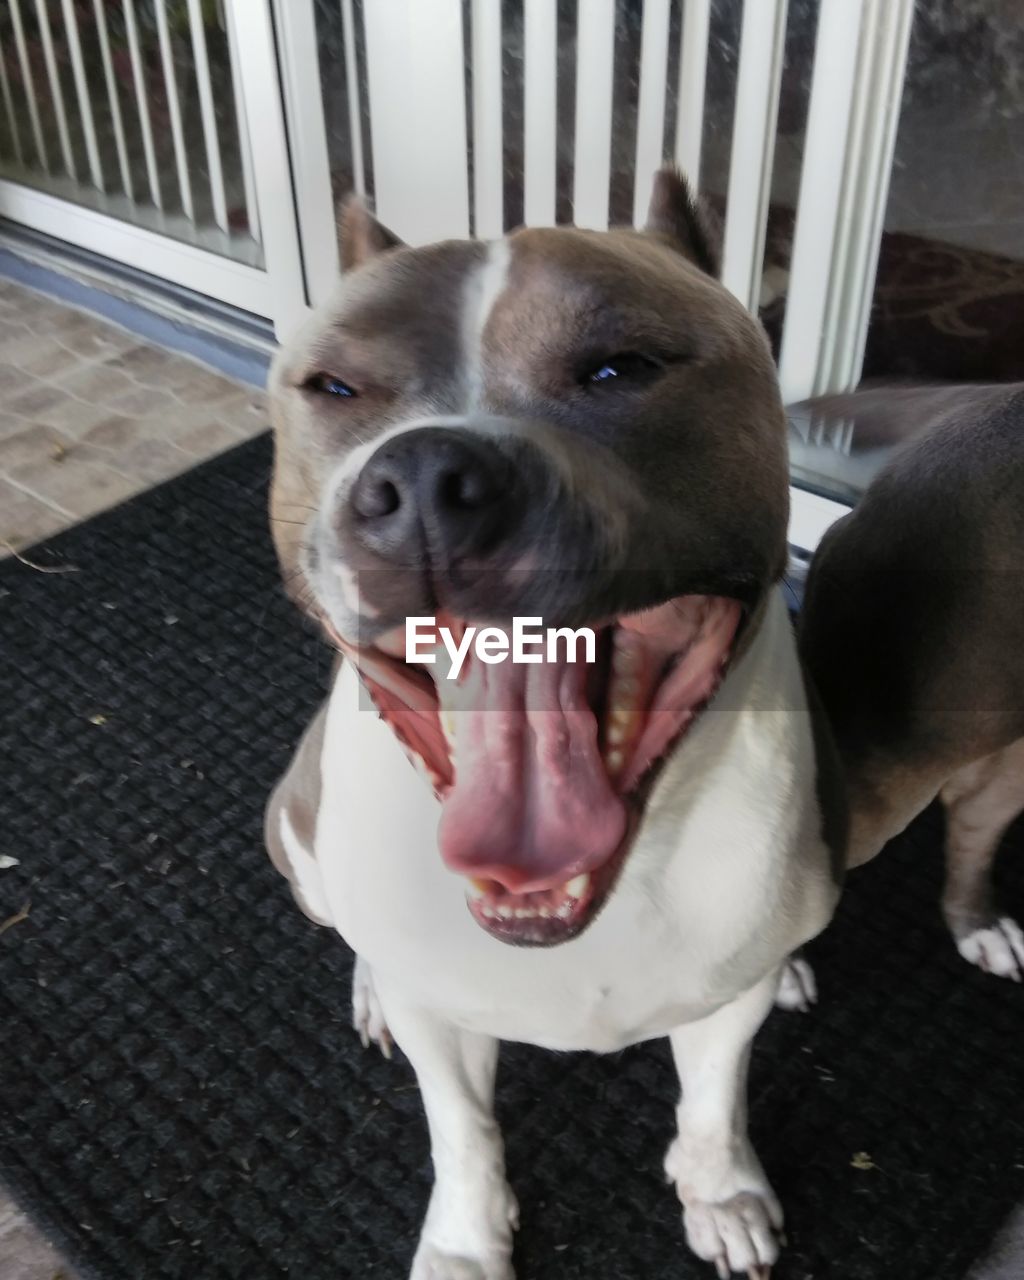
{"x": 627, "y": 366}
{"x": 327, "y": 384}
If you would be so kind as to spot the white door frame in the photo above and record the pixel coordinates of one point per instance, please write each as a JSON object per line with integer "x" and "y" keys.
{"x": 276, "y": 291}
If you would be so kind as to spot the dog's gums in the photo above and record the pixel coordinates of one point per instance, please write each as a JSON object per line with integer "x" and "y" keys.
{"x": 543, "y": 770}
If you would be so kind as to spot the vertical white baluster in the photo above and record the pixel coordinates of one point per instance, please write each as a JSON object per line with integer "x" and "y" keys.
{"x": 762, "y": 41}
{"x": 885, "y": 97}
{"x": 860, "y": 62}
{"x": 416, "y": 68}
{"x": 56, "y": 93}
{"x": 252, "y": 212}
{"x": 353, "y": 92}
{"x": 847, "y": 236}
{"x": 650, "y": 115}
{"x": 261, "y": 86}
{"x": 142, "y": 102}
{"x": 488, "y": 163}
{"x": 595, "y": 67}
{"x": 540, "y": 120}
{"x": 85, "y": 114}
{"x": 830, "y": 118}
{"x": 12, "y": 121}
{"x": 30, "y": 85}
{"x": 208, "y": 112}
{"x": 114, "y": 101}
{"x": 174, "y": 109}
{"x": 693, "y": 69}
{"x": 295, "y": 28}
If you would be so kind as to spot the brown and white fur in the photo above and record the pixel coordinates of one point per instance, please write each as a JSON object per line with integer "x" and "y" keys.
{"x": 672, "y": 482}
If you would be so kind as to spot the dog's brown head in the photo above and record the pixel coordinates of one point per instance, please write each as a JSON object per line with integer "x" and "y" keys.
{"x": 574, "y": 426}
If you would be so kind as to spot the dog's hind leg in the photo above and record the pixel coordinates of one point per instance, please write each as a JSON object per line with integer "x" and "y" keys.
{"x": 731, "y": 1215}
{"x": 467, "y": 1234}
{"x": 981, "y": 801}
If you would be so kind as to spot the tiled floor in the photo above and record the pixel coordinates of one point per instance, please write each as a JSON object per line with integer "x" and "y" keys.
{"x": 89, "y": 416}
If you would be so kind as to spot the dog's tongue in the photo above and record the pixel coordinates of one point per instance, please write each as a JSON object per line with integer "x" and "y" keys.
{"x": 531, "y": 805}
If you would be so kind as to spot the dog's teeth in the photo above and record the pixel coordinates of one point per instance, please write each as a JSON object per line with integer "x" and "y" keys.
{"x": 564, "y": 910}
{"x": 616, "y": 734}
{"x": 476, "y": 889}
{"x": 625, "y": 659}
{"x": 488, "y": 912}
{"x": 506, "y": 913}
{"x": 616, "y": 759}
{"x": 545, "y": 913}
{"x": 578, "y": 885}
{"x": 524, "y": 913}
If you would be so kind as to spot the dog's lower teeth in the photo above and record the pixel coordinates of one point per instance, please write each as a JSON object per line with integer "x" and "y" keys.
{"x": 477, "y": 891}
{"x": 578, "y": 886}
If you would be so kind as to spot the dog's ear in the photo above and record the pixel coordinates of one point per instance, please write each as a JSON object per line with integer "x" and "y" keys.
{"x": 360, "y": 235}
{"x": 679, "y": 216}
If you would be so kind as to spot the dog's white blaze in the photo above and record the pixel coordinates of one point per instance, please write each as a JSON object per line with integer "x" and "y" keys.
{"x": 483, "y": 289}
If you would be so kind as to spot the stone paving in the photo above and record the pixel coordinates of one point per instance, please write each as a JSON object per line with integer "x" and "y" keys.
{"x": 90, "y": 415}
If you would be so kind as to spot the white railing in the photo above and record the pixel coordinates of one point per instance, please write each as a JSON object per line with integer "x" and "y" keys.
{"x": 860, "y": 62}
{"x": 216, "y": 157}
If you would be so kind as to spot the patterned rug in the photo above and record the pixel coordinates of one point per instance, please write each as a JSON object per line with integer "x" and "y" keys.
{"x": 181, "y": 1097}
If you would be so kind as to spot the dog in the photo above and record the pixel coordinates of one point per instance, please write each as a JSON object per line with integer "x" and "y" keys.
{"x": 913, "y": 632}
{"x": 585, "y": 428}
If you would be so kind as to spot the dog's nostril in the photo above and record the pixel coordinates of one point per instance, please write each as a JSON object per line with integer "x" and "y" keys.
{"x": 378, "y": 498}
{"x": 431, "y": 493}
{"x": 465, "y": 490}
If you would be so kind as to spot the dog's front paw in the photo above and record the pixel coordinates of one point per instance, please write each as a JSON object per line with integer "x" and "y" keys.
{"x": 998, "y": 949}
{"x": 798, "y": 989}
{"x": 367, "y": 1015}
{"x": 432, "y": 1264}
{"x": 467, "y": 1234}
{"x": 738, "y": 1235}
{"x": 731, "y": 1215}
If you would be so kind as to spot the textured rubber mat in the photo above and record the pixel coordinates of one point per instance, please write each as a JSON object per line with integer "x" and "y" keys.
{"x": 181, "y": 1097}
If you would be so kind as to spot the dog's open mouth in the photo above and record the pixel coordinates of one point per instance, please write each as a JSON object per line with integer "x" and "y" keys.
{"x": 542, "y": 769}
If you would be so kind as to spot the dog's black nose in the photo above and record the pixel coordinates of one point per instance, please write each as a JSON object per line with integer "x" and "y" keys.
{"x": 433, "y": 493}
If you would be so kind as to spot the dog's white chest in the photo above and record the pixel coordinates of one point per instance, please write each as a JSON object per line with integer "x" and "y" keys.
{"x": 727, "y": 873}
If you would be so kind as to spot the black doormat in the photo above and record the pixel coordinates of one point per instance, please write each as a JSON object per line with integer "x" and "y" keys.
{"x": 181, "y": 1097}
